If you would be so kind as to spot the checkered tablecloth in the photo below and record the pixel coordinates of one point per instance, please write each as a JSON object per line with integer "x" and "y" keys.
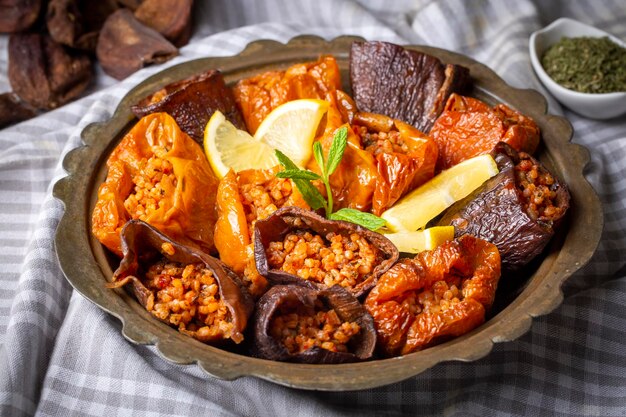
{"x": 62, "y": 356}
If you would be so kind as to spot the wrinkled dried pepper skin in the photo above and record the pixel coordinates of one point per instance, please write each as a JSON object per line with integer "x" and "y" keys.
{"x": 398, "y": 171}
{"x": 495, "y": 212}
{"x": 143, "y": 244}
{"x": 257, "y": 96}
{"x": 468, "y": 128}
{"x": 187, "y": 213}
{"x": 347, "y": 307}
{"x": 290, "y": 219}
{"x": 354, "y": 181}
{"x": 401, "y": 327}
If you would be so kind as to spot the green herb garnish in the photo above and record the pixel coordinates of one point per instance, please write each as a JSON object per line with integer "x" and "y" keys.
{"x": 587, "y": 65}
{"x": 302, "y": 179}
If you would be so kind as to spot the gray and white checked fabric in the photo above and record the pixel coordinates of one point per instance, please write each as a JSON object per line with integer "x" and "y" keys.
{"x": 61, "y": 356}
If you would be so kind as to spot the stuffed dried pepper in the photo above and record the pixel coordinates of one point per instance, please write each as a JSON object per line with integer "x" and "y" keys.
{"x": 435, "y": 296}
{"x": 157, "y": 174}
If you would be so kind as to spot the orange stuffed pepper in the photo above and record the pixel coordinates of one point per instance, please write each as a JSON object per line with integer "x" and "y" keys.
{"x": 157, "y": 174}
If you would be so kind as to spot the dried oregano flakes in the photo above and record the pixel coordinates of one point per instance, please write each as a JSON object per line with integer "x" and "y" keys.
{"x": 587, "y": 65}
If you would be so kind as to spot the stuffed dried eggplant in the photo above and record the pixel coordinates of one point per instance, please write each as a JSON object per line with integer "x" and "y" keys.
{"x": 299, "y": 324}
{"x": 242, "y": 200}
{"x": 257, "y": 96}
{"x": 517, "y": 210}
{"x": 403, "y": 84}
{"x": 437, "y": 295}
{"x": 298, "y": 246}
{"x": 160, "y": 175}
{"x": 405, "y": 157}
{"x": 192, "y": 102}
{"x": 469, "y": 128}
{"x": 181, "y": 286}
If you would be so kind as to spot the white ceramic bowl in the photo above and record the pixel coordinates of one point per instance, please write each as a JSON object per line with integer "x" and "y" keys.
{"x": 595, "y": 106}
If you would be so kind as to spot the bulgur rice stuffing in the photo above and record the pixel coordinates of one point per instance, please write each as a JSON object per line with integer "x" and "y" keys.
{"x": 151, "y": 180}
{"x": 537, "y": 188}
{"x": 301, "y": 328}
{"x": 442, "y": 296}
{"x": 336, "y": 260}
{"x": 381, "y": 142}
{"x": 187, "y": 297}
{"x": 259, "y": 201}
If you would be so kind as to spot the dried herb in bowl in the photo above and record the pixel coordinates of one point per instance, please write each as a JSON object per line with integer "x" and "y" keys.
{"x": 587, "y": 65}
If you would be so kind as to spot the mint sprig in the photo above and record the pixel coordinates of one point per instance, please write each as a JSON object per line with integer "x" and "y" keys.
{"x": 362, "y": 218}
{"x": 302, "y": 179}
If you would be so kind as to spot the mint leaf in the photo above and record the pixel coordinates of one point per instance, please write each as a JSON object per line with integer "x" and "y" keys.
{"x": 311, "y": 195}
{"x": 298, "y": 174}
{"x": 367, "y": 220}
{"x": 285, "y": 161}
{"x": 318, "y": 153}
{"x": 340, "y": 140}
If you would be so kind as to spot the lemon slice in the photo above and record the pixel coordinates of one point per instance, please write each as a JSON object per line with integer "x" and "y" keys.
{"x": 421, "y": 240}
{"x": 291, "y": 128}
{"x": 417, "y": 208}
{"x": 227, "y": 147}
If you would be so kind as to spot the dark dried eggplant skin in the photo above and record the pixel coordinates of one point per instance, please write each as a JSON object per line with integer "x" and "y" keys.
{"x": 495, "y": 212}
{"x": 125, "y": 45}
{"x": 284, "y": 220}
{"x": 130, "y": 4}
{"x": 346, "y": 306}
{"x": 13, "y": 110}
{"x": 18, "y": 15}
{"x": 142, "y": 243}
{"x": 192, "y": 102}
{"x": 44, "y": 73}
{"x": 76, "y": 23}
{"x": 171, "y": 18}
{"x": 403, "y": 84}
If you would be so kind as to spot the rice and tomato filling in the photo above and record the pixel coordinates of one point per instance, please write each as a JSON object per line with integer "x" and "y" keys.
{"x": 264, "y": 198}
{"x": 381, "y": 142}
{"x": 259, "y": 200}
{"x": 335, "y": 259}
{"x": 153, "y": 179}
{"x": 441, "y": 297}
{"x": 187, "y": 297}
{"x": 538, "y": 190}
{"x": 300, "y": 328}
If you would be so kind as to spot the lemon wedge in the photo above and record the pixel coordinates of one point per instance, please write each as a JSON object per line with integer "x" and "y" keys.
{"x": 227, "y": 147}
{"x": 416, "y": 209}
{"x": 290, "y": 128}
{"x": 421, "y": 240}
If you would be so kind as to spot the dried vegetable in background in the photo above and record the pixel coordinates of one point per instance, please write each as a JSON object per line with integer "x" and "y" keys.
{"x": 53, "y": 41}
